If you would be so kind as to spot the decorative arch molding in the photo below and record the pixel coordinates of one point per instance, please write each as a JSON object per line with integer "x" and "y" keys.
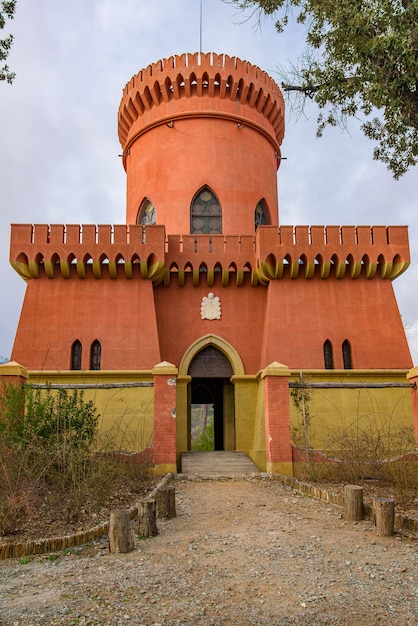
{"x": 219, "y": 343}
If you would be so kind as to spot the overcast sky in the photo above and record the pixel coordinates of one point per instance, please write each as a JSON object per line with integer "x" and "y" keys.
{"x": 59, "y": 156}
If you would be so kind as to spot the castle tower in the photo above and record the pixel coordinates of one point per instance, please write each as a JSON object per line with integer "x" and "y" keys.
{"x": 202, "y": 295}
{"x": 200, "y": 120}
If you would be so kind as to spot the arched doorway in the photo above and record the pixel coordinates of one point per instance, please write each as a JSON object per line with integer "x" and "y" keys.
{"x": 211, "y": 410}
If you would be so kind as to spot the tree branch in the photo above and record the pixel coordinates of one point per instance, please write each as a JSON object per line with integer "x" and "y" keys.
{"x": 307, "y": 90}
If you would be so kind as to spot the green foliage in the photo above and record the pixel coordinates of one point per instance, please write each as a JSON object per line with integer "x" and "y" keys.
{"x": 361, "y": 60}
{"x": 58, "y": 414}
{"x": 46, "y": 442}
{"x": 52, "y": 456}
{"x": 202, "y": 427}
{"x": 7, "y": 10}
{"x": 205, "y": 441}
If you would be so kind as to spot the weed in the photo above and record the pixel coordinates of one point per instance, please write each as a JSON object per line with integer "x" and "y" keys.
{"x": 24, "y": 560}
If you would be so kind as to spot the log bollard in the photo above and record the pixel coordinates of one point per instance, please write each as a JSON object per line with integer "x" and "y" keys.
{"x": 384, "y": 516}
{"x": 166, "y": 502}
{"x": 147, "y": 518}
{"x": 120, "y": 534}
{"x": 353, "y": 503}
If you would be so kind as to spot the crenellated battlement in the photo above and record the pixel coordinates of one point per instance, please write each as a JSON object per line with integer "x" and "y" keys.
{"x": 338, "y": 250}
{"x": 203, "y": 85}
{"x": 272, "y": 253}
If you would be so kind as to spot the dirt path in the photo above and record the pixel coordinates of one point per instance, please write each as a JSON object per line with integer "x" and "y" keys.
{"x": 243, "y": 552}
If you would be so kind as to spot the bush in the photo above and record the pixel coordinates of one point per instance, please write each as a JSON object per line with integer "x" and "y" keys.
{"x": 46, "y": 443}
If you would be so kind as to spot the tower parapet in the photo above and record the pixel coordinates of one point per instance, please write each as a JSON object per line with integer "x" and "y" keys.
{"x": 201, "y": 120}
{"x": 175, "y": 88}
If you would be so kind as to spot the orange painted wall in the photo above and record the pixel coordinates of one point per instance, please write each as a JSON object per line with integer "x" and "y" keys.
{"x": 119, "y": 313}
{"x": 301, "y": 315}
{"x": 288, "y": 322}
{"x": 241, "y": 323}
{"x": 170, "y": 165}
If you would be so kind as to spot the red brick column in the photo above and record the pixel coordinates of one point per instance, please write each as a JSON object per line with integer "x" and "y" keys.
{"x": 277, "y": 419}
{"x": 412, "y": 376}
{"x": 13, "y": 374}
{"x": 164, "y": 443}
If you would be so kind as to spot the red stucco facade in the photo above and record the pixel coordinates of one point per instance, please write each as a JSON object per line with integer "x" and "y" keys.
{"x": 212, "y": 122}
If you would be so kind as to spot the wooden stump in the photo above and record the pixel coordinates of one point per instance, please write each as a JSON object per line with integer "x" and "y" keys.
{"x": 166, "y": 502}
{"x": 384, "y": 516}
{"x": 120, "y": 534}
{"x": 353, "y": 503}
{"x": 147, "y": 518}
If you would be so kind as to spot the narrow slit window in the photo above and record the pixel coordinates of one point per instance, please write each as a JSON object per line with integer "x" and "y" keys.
{"x": 95, "y": 355}
{"x": 76, "y": 352}
{"x": 347, "y": 360}
{"x": 328, "y": 355}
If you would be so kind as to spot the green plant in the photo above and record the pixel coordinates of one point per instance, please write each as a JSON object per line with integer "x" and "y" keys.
{"x": 24, "y": 560}
{"x": 301, "y": 396}
{"x": 46, "y": 440}
{"x": 52, "y": 456}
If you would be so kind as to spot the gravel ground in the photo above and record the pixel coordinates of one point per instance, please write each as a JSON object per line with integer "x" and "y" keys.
{"x": 238, "y": 552}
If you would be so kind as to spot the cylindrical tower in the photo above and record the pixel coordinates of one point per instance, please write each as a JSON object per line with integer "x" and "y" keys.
{"x": 200, "y": 136}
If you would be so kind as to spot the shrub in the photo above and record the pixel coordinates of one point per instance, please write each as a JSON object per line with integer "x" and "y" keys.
{"x": 46, "y": 440}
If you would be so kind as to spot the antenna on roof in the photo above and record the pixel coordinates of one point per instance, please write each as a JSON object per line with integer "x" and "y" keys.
{"x": 201, "y": 20}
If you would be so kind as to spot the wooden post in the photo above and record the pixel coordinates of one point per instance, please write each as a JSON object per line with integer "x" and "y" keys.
{"x": 147, "y": 518}
{"x": 120, "y": 535}
{"x": 353, "y": 503}
{"x": 384, "y": 516}
{"x": 166, "y": 502}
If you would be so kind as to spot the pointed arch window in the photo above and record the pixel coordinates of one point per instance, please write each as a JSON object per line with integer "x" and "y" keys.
{"x": 328, "y": 355}
{"x": 146, "y": 214}
{"x": 261, "y": 216}
{"x": 95, "y": 355}
{"x": 76, "y": 352}
{"x": 205, "y": 214}
{"x": 346, "y": 348}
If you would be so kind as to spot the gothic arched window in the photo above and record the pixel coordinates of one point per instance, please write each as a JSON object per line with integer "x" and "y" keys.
{"x": 205, "y": 214}
{"x": 328, "y": 356}
{"x": 95, "y": 355}
{"x": 261, "y": 216}
{"x": 347, "y": 355}
{"x": 76, "y": 351}
{"x": 146, "y": 213}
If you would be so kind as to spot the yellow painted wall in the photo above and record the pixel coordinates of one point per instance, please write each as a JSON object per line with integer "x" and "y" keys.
{"x": 334, "y": 411}
{"x": 127, "y": 414}
{"x": 129, "y": 411}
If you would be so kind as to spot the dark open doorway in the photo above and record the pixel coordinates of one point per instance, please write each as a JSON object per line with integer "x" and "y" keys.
{"x": 207, "y": 419}
{"x": 211, "y": 408}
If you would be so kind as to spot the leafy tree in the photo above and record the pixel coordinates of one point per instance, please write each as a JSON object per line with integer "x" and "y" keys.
{"x": 361, "y": 60}
{"x": 7, "y": 10}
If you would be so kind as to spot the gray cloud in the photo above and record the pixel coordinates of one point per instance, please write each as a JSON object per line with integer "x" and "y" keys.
{"x": 59, "y": 161}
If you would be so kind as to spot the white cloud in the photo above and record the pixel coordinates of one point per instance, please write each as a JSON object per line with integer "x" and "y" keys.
{"x": 59, "y": 160}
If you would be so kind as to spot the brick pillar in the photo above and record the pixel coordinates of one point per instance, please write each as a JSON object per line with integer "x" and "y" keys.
{"x": 412, "y": 376}
{"x": 164, "y": 442}
{"x": 277, "y": 419}
{"x": 13, "y": 374}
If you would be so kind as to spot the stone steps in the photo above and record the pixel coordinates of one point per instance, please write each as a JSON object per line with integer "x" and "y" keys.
{"x": 217, "y": 463}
